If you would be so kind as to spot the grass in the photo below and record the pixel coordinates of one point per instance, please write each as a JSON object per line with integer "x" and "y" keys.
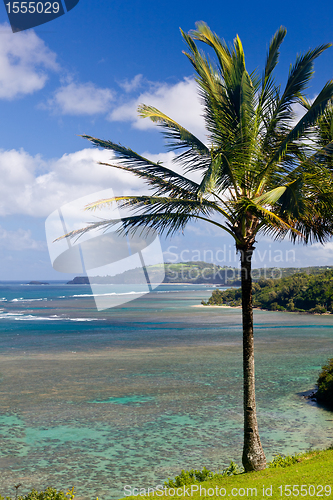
{"x": 310, "y": 477}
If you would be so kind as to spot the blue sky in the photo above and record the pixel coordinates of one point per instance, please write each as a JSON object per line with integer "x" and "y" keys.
{"x": 86, "y": 72}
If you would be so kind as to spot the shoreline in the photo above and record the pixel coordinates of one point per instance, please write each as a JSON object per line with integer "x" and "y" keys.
{"x": 224, "y": 306}
{"x": 268, "y": 310}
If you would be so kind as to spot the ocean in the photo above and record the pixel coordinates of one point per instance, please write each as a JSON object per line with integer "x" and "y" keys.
{"x": 134, "y": 394}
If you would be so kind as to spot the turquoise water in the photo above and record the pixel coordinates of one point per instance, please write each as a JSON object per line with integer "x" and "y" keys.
{"x": 131, "y": 395}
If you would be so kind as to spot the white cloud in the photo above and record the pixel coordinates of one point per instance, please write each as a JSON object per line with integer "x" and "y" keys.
{"x": 131, "y": 85}
{"x": 316, "y": 254}
{"x": 81, "y": 99}
{"x": 33, "y": 186}
{"x": 180, "y": 101}
{"x": 24, "y": 62}
{"x": 19, "y": 240}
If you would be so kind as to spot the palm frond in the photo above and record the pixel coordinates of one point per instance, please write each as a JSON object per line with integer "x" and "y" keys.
{"x": 308, "y": 120}
{"x": 299, "y": 76}
{"x": 177, "y": 135}
{"x": 298, "y": 80}
{"x": 155, "y": 204}
{"x": 204, "y": 34}
{"x": 273, "y": 54}
{"x": 271, "y": 197}
{"x": 325, "y": 126}
{"x": 167, "y": 223}
{"x": 269, "y": 91}
{"x": 137, "y": 163}
{"x": 271, "y": 218}
{"x": 161, "y": 186}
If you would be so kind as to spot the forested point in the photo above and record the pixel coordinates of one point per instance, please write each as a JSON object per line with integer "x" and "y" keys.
{"x": 324, "y": 394}
{"x": 297, "y": 293}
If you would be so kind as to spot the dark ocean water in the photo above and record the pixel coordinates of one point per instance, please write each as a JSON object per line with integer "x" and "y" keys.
{"x": 133, "y": 394}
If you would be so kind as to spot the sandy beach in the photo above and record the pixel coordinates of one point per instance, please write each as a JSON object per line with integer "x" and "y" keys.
{"x": 219, "y": 307}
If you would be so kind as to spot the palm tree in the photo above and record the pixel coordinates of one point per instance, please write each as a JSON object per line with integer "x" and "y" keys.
{"x": 262, "y": 171}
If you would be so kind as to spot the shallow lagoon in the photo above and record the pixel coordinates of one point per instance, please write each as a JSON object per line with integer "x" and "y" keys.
{"x": 134, "y": 394}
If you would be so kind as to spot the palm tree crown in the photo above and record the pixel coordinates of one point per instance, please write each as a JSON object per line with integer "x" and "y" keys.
{"x": 262, "y": 170}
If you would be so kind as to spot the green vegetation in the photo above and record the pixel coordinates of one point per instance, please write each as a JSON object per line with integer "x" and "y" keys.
{"x": 196, "y": 476}
{"x": 324, "y": 394}
{"x": 283, "y": 272}
{"x": 285, "y": 460}
{"x": 48, "y": 494}
{"x": 300, "y": 292}
{"x": 308, "y": 475}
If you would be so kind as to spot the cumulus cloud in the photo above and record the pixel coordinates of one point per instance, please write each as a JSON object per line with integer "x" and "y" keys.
{"x": 33, "y": 186}
{"x": 180, "y": 101}
{"x": 316, "y": 254}
{"x": 24, "y": 63}
{"x": 19, "y": 240}
{"x": 130, "y": 85}
{"x": 81, "y": 99}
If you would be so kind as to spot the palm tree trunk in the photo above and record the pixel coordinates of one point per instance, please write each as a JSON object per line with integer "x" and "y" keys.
{"x": 253, "y": 455}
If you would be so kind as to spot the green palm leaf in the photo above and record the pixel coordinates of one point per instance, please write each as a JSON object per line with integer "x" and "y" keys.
{"x": 161, "y": 186}
{"x": 177, "y": 135}
{"x": 138, "y": 164}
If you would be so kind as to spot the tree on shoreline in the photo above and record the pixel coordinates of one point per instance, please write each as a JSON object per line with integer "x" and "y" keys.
{"x": 262, "y": 172}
